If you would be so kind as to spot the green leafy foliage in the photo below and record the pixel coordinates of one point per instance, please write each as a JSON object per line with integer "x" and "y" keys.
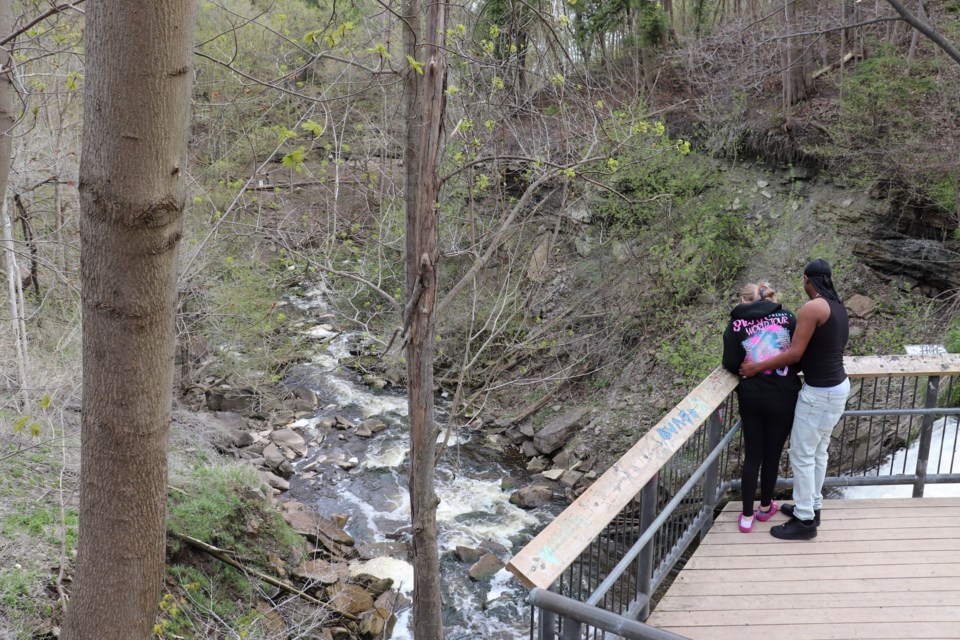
{"x": 883, "y": 95}
{"x": 219, "y": 506}
{"x": 695, "y": 350}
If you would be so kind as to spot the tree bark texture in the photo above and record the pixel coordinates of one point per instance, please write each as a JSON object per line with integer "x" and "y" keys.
{"x": 421, "y": 265}
{"x": 7, "y": 119}
{"x": 796, "y": 74}
{"x": 7, "y": 123}
{"x": 136, "y": 109}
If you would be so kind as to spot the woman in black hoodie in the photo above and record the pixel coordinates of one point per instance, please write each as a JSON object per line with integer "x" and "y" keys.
{"x": 760, "y": 329}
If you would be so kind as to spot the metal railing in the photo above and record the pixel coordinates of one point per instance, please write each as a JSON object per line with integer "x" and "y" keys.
{"x": 596, "y": 570}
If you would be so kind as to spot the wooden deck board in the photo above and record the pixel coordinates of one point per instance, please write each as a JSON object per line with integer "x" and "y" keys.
{"x": 883, "y": 569}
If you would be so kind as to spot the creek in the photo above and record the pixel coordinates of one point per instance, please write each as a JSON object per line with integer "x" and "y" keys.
{"x": 944, "y": 456}
{"x": 366, "y": 479}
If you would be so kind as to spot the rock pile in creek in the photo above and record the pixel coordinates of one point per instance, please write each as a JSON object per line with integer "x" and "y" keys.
{"x": 556, "y": 468}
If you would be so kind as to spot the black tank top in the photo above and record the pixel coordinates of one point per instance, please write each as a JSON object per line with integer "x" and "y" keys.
{"x": 822, "y": 361}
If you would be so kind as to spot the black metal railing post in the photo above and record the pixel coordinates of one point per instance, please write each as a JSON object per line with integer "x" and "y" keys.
{"x": 926, "y": 436}
{"x": 710, "y": 480}
{"x": 648, "y": 513}
{"x": 547, "y": 628}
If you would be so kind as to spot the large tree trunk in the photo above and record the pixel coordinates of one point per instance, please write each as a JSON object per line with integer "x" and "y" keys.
{"x": 14, "y": 284}
{"x": 796, "y": 74}
{"x": 136, "y": 108}
{"x": 421, "y": 280}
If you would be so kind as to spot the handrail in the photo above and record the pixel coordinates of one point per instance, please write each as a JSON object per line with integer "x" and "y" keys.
{"x": 607, "y": 621}
{"x": 545, "y": 558}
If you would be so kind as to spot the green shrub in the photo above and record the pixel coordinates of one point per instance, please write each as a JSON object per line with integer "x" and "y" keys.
{"x": 883, "y": 96}
{"x": 952, "y": 341}
{"x": 219, "y": 505}
{"x": 696, "y": 350}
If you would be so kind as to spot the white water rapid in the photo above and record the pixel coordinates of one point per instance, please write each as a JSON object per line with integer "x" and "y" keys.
{"x": 944, "y": 447}
{"x": 474, "y": 511}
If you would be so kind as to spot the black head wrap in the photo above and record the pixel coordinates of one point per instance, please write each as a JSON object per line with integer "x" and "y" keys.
{"x": 820, "y": 276}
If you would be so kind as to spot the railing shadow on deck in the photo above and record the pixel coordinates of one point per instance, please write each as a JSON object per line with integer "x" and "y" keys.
{"x": 595, "y": 569}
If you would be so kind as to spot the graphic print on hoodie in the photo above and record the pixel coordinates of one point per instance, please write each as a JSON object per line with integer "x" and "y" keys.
{"x": 758, "y": 331}
{"x": 769, "y": 341}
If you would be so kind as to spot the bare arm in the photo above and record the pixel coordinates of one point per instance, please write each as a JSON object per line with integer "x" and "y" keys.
{"x": 812, "y": 315}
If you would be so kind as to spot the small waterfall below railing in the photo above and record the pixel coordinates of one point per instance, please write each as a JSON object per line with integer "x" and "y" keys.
{"x": 474, "y": 510}
{"x": 944, "y": 455}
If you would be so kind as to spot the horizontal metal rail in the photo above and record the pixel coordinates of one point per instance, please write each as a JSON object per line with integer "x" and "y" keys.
{"x": 936, "y": 411}
{"x": 600, "y": 618}
{"x": 865, "y": 481}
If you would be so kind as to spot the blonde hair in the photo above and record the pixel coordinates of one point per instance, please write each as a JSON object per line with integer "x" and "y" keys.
{"x": 758, "y": 291}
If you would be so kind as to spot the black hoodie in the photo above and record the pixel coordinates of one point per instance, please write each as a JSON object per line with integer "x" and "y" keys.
{"x": 759, "y": 331}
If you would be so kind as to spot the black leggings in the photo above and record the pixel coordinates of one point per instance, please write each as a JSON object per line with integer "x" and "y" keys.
{"x": 767, "y": 421}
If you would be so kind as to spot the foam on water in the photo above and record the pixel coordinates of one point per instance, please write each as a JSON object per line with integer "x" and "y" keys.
{"x": 943, "y": 446}
{"x": 390, "y": 456}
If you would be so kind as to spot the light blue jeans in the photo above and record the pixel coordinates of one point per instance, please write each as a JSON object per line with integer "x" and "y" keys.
{"x": 818, "y": 412}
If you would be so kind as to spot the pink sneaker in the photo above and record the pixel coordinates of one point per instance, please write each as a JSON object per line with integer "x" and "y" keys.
{"x": 746, "y": 523}
{"x": 763, "y": 516}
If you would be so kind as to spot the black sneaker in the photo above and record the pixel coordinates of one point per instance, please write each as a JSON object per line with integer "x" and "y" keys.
{"x": 787, "y": 509}
{"x": 794, "y": 529}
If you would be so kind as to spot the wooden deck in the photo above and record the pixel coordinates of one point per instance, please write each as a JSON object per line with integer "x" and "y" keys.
{"x": 878, "y": 569}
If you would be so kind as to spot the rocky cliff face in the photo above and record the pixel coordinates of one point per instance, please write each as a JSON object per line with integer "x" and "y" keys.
{"x": 916, "y": 242}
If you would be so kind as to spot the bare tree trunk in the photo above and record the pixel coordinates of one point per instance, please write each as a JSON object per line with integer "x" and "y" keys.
{"x": 936, "y": 37}
{"x": 15, "y": 303}
{"x": 34, "y": 277}
{"x": 796, "y": 59}
{"x": 136, "y": 111}
{"x": 7, "y": 122}
{"x": 421, "y": 280}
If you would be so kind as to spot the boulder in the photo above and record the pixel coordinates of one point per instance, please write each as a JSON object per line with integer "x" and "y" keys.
{"x": 374, "y": 425}
{"x": 240, "y": 438}
{"x": 343, "y": 423}
{"x": 570, "y": 478}
{"x": 273, "y": 456}
{"x": 468, "y": 554}
{"x": 554, "y": 474}
{"x": 532, "y": 497}
{"x": 393, "y": 600}
{"x": 363, "y": 431}
{"x": 538, "y": 261}
{"x": 290, "y": 439}
{"x": 317, "y": 571}
{"x": 559, "y": 430}
{"x": 350, "y": 598}
{"x": 564, "y": 459}
{"x": 305, "y": 394}
{"x": 861, "y": 306}
{"x": 485, "y": 567}
{"x": 377, "y": 623}
{"x": 313, "y": 525}
{"x": 528, "y": 449}
{"x": 230, "y": 419}
{"x": 242, "y": 401}
{"x": 274, "y": 481}
{"x": 538, "y": 464}
{"x": 375, "y": 586}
